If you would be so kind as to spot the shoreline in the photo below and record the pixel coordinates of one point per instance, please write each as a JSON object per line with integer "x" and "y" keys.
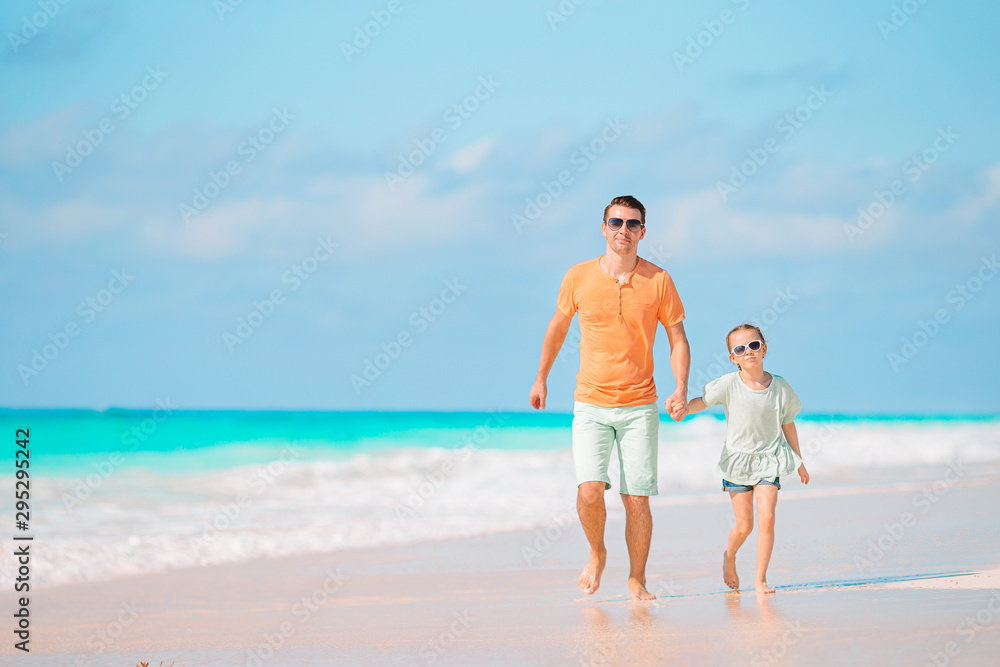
{"x": 512, "y": 597}
{"x": 557, "y": 521}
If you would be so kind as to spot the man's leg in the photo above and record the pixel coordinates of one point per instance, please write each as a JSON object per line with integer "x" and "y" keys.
{"x": 593, "y": 439}
{"x": 638, "y": 437}
{"x": 638, "y": 533}
{"x": 590, "y": 507}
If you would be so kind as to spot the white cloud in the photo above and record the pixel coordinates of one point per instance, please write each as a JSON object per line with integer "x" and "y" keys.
{"x": 699, "y": 225}
{"x": 970, "y": 210}
{"x": 226, "y": 228}
{"x": 287, "y": 199}
{"x": 355, "y": 210}
{"x": 63, "y": 222}
{"x": 43, "y": 139}
{"x": 414, "y": 212}
{"x": 469, "y": 157}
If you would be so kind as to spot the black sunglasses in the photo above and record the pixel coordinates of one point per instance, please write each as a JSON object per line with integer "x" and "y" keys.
{"x": 614, "y": 224}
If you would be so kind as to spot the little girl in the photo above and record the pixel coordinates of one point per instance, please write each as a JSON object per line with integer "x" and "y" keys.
{"x": 761, "y": 445}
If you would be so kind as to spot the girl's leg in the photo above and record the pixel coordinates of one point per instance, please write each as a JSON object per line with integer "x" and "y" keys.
{"x": 743, "y": 509}
{"x": 767, "y": 498}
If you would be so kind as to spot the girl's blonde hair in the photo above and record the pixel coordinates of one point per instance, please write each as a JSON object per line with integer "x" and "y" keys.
{"x": 743, "y": 327}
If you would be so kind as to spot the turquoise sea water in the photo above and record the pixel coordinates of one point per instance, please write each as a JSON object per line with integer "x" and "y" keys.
{"x": 65, "y": 440}
{"x": 173, "y": 440}
{"x": 122, "y": 492}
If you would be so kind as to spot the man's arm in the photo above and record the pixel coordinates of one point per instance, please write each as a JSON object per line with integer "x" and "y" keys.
{"x": 680, "y": 362}
{"x": 554, "y": 337}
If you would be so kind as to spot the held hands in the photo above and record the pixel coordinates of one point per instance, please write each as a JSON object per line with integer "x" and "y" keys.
{"x": 539, "y": 391}
{"x": 803, "y": 474}
{"x": 677, "y": 405}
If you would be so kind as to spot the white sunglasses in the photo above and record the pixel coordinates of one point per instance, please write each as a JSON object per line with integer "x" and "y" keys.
{"x": 753, "y": 345}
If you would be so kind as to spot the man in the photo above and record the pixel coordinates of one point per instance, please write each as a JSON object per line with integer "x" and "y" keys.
{"x": 619, "y": 298}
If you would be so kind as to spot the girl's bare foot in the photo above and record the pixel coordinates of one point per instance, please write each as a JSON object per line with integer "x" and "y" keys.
{"x": 590, "y": 578}
{"x": 638, "y": 590}
{"x": 763, "y": 588}
{"x": 729, "y": 571}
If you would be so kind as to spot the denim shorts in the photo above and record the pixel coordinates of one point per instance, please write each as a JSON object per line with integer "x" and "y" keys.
{"x": 741, "y": 488}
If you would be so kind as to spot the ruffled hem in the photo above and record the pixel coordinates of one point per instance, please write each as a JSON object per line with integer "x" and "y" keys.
{"x": 751, "y": 467}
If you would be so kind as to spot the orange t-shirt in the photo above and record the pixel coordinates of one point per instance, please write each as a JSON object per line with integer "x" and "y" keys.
{"x": 617, "y": 329}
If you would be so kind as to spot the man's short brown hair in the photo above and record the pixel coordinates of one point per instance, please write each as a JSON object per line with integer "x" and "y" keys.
{"x": 627, "y": 201}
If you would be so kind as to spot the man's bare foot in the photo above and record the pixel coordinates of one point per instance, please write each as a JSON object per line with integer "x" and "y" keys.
{"x": 729, "y": 571}
{"x": 638, "y": 590}
{"x": 763, "y": 588}
{"x": 590, "y": 578}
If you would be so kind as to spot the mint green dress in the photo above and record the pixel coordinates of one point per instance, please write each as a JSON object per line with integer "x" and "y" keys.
{"x": 755, "y": 447}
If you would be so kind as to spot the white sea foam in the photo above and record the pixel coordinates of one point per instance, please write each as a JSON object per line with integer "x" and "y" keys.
{"x": 140, "y": 520}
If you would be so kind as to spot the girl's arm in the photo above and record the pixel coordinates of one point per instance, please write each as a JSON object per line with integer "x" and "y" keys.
{"x": 696, "y": 405}
{"x": 792, "y": 436}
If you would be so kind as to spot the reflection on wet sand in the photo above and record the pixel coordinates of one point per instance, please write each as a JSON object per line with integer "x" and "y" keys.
{"x": 637, "y": 639}
{"x": 761, "y": 627}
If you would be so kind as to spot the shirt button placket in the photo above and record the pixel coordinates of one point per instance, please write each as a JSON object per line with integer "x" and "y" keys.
{"x": 621, "y": 317}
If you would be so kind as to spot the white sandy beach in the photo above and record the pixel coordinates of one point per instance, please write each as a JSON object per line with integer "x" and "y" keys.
{"x": 852, "y": 589}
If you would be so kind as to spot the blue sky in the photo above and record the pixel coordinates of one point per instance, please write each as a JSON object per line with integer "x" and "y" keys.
{"x": 403, "y": 198}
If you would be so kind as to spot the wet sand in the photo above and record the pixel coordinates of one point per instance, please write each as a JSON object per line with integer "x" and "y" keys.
{"x": 883, "y": 573}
